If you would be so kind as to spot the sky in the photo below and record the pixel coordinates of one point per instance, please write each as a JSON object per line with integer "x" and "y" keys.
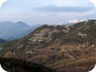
{"x": 47, "y": 11}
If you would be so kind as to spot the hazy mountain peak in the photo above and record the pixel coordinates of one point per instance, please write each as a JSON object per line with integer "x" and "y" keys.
{"x": 10, "y": 30}
{"x": 21, "y": 23}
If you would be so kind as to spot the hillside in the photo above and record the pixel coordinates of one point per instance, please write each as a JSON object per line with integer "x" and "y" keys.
{"x": 2, "y": 42}
{"x": 60, "y": 48}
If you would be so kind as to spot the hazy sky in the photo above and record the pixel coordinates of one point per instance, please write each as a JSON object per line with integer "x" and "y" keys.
{"x": 47, "y": 11}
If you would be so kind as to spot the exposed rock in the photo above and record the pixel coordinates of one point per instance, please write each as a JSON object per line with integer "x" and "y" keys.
{"x": 82, "y": 35}
{"x": 66, "y": 29}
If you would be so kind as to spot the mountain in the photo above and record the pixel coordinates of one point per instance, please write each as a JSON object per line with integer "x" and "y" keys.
{"x": 61, "y": 48}
{"x": 10, "y": 30}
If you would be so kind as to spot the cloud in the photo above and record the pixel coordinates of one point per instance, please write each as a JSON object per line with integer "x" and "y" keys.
{"x": 2, "y": 2}
{"x": 62, "y": 9}
{"x": 93, "y": 1}
{"x": 47, "y": 11}
{"x": 75, "y": 21}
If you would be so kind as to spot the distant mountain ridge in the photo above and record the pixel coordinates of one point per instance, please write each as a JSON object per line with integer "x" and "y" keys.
{"x": 10, "y": 30}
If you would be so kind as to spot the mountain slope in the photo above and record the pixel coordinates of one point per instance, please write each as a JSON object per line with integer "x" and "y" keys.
{"x": 2, "y": 42}
{"x": 61, "y": 48}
